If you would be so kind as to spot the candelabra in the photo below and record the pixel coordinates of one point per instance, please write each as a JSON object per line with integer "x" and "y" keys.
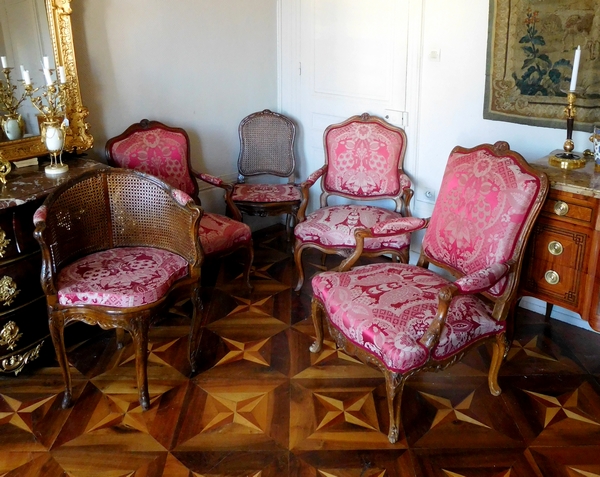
{"x": 567, "y": 159}
{"x": 12, "y": 122}
{"x": 51, "y": 105}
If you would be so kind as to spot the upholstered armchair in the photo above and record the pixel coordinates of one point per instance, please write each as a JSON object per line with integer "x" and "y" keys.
{"x": 163, "y": 151}
{"x": 363, "y": 163}
{"x": 118, "y": 248}
{"x": 405, "y": 318}
{"x": 267, "y": 148}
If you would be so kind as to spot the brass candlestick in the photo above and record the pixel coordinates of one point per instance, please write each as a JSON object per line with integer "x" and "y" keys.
{"x": 567, "y": 159}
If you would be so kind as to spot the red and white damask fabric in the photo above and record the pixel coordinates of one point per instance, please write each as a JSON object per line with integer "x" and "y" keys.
{"x": 120, "y": 277}
{"x": 480, "y": 210}
{"x": 266, "y": 193}
{"x": 386, "y": 309}
{"x": 218, "y": 233}
{"x": 362, "y": 160}
{"x": 334, "y": 226}
{"x": 157, "y": 152}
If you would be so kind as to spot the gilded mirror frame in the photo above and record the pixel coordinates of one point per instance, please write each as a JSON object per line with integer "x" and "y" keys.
{"x": 78, "y": 137}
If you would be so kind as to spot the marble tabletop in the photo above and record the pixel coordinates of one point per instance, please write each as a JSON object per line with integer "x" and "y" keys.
{"x": 30, "y": 183}
{"x": 582, "y": 181}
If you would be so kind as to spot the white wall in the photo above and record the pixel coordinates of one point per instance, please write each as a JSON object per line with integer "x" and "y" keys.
{"x": 201, "y": 65}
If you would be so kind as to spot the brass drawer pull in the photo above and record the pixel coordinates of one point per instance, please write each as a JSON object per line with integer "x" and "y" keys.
{"x": 8, "y": 290}
{"x": 555, "y": 247}
{"x": 552, "y": 277}
{"x": 10, "y": 335}
{"x": 561, "y": 208}
{"x": 3, "y": 242}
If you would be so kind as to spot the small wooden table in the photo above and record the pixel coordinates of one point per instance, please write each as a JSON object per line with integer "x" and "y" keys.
{"x": 562, "y": 262}
{"x": 23, "y": 315}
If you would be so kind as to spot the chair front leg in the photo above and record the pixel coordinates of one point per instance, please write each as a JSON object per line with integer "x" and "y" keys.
{"x": 248, "y": 264}
{"x": 139, "y": 333}
{"x": 317, "y": 317}
{"x": 196, "y": 328}
{"x": 500, "y": 349}
{"x": 57, "y": 325}
{"x": 394, "y": 384}
{"x": 298, "y": 261}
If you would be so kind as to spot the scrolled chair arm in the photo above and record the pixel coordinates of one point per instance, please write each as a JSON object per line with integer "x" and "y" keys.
{"x": 472, "y": 283}
{"x": 304, "y": 188}
{"x": 226, "y": 186}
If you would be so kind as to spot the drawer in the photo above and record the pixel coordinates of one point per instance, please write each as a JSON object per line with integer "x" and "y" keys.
{"x": 20, "y": 282}
{"x": 16, "y": 231}
{"x": 572, "y": 208}
{"x": 559, "y": 245}
{"x": 552, "y": 280}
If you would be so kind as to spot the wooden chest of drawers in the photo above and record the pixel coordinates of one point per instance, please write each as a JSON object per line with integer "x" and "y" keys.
{"x": 23, "y": 318}
{"x": 561, "y": 265}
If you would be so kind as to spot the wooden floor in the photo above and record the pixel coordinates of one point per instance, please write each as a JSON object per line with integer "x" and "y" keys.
{"x": 263, "y": 405}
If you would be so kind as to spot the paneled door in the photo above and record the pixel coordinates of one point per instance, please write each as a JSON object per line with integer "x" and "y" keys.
{"x": 353, "y": 57}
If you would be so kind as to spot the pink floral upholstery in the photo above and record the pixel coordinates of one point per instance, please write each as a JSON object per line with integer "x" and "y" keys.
{"x": 363, "y": 160}
{"x": 386, "y": 308}
{"x": 482, "y": 205}
{"x": 334, "y": 226}
{"x": 40, "y": 214}
{"x": 219, "y": 233}
{"x": 158, "y": 152}
{"x": 266, "y": 193}
{"x": 120, "y": 277}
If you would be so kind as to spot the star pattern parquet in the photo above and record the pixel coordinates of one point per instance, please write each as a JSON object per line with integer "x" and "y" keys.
{"x": 262, "y": 405}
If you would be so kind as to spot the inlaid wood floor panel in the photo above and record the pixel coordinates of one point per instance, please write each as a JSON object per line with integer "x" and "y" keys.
{"x": 262, "y": 405}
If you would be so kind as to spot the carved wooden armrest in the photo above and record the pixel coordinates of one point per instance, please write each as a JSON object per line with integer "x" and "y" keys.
{"x": 304, "y": 188}
{"x": 227, "y": 187}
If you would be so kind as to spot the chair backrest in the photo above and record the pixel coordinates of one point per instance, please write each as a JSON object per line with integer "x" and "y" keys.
{"x": 267, "y": 145}
{"x": 484, "y": 212}
{"x": 364, "y": 157}
{"x": 111, "y": 208}
{"x": 156, "y": 149}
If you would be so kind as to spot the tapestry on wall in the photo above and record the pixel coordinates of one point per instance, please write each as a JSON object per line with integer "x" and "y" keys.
{"x": 531, "y": 47}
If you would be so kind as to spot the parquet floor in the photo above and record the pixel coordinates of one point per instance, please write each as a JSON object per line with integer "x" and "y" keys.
{"x": 263, "y": 405}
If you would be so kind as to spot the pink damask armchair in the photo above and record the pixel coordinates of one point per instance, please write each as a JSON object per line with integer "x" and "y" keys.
{"x": 164, "y": 152}
{"x": 363, "y": 162}
{"x": 405, "y": 318}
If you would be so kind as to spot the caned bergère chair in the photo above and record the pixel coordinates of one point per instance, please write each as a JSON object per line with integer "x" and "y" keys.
{"x": 267, "y": 148}
{"x": 405, "y": 318}
{"x": 163, "y": 151}
{"x": 118, "y": 247}
{"x": 363, "y": 162}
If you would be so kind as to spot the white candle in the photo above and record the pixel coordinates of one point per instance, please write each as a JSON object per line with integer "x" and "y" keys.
{"x": 62, "y": 75}
{"x": 575, "y": 68}
{"x": 26, "y": 77}
{"x": 47, "y": 76}
{"x": 22, "y": 71}
{"x": 46, "y": 63}
{"x": 4, "y": 62}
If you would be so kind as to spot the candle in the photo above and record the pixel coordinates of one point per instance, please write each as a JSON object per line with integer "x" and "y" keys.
{"x": 47, "y": 76}
{"x": 62, "y": 75}
{"x": 4, "y": 62}
{"x": 22, "y": 71}
{"x": 575, "y": 68}
{"x": 26, "y": 77}
{"x": 46, "y": 63}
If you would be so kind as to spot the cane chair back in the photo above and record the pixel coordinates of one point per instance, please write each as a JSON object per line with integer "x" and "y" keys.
{"x": 363, "y": 162}
{"x": 406, "y": 318}
{"x": 118, "y": 247}
{"x": 164, "y": 152}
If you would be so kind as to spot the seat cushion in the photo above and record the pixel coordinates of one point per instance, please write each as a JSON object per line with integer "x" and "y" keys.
{"x": 219, "y": 233}
{"x": 266, "y": 193}
{"x": 120, "y": 277}
{"x": 386, "y": 308}
{"x": 334, "y": 227}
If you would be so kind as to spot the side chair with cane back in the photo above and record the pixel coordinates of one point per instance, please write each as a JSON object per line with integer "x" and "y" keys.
{"x": 118, "y": 248}
{"x": 404, "y": 318}
{"x": 363, "y": 163}
{"x": 163, "y": 151}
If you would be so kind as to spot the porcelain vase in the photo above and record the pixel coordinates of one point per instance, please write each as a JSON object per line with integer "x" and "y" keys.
{"x": 12, "y": 125}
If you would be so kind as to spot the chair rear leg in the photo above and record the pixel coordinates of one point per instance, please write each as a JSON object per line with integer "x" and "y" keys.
{"x": 139, "y": 333}
{"x": 394, "y": 384}
{"x": 500, "y": 349}
{"x": 196, "y": 328}
{"x": 57, "y": 326}
{"x": 317, "y": 317}
{"x": 248, "y": 264}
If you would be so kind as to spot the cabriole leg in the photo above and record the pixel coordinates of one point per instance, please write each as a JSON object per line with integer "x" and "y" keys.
{"x": 500, "y": 348}
{"x": 394, "y": 384}
{"x": 317, "y": 317}
{"x": 57, "y": 326}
